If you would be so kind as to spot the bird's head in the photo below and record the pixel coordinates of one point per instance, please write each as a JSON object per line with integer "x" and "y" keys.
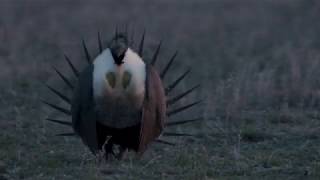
{"x": 119, "y": 70}
{"x": 118, "y": 47}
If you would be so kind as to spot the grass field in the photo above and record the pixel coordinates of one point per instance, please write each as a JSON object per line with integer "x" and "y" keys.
{"x": 258, "y": 63}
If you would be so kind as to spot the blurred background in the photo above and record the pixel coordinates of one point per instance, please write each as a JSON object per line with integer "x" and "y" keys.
{"x": 257, "y": 61}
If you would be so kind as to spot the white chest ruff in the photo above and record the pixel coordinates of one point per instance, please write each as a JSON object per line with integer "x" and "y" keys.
{"x": 119, "y": 106}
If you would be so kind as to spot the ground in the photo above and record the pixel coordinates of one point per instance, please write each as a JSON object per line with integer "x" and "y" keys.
{"x": 257, "y": 62}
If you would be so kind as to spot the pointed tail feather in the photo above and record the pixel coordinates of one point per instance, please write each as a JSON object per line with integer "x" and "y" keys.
{"x": 131, "y": 39}
{"x": 62, "y": 96}
{"x": 176, "y": 134}
{"x": 85, "y": 49}
{"x": 175, "y": 111}
{"x": 174, "y": 123}
{"x": 164, "y": 142}
{"x": 63, "y": 110}
{"x": 141, "y": 44}
{"x": 100, "y": 42}
{"x": 116, "y": 33}
{"x": 177, "y": 81}
{"x": 126, "y": 31}
{"x": 156, "y": 53}
{"x": 66, "y": 134}
{"x": 64, "y": 78}
{"x": 165, "y": 70}
{"x": 74, "y": 70}
{"x": 180, "y": 96}
{"x": 60, "y": 122}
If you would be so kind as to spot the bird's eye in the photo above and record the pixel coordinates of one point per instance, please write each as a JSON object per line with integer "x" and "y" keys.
{"x": 111, "y": 77}
{"x": 126, "y": 79}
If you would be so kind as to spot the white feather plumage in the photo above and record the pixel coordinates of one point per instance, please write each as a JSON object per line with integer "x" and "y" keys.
{"x": 104, "y": 64}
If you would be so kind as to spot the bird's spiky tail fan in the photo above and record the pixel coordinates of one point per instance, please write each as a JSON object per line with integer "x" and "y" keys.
{"x": 153, "y": 121}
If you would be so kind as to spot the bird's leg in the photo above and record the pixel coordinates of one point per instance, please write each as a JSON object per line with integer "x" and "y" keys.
{"x": 122, "y": 153}
{"x": 108, "y": 147}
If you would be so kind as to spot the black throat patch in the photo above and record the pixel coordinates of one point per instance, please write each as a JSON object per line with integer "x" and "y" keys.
{"x": 118, "y": 48}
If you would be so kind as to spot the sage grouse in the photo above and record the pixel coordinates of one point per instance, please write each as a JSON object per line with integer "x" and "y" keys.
{"x": 120, "y": 99}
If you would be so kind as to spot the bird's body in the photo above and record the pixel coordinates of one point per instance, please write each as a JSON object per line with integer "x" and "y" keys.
{"x": 111, "y": 100}
{"x": 120, "y": 100}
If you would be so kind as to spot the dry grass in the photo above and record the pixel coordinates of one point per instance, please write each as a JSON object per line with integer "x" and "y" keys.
{"x": 258, "y": 63}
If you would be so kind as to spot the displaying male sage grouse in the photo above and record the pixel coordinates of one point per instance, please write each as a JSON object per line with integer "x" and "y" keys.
{"x": 119, "y": 99}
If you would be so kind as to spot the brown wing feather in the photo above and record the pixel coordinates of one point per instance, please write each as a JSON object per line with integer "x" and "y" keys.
{"x": 154, "y": 109}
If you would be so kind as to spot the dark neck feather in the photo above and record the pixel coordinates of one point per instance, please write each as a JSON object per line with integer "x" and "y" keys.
{"x": 118, "y": 48}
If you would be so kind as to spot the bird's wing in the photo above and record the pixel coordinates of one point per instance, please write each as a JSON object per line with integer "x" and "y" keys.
{"x": 154, "y": 109}
{"x": 83, "y": 115}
